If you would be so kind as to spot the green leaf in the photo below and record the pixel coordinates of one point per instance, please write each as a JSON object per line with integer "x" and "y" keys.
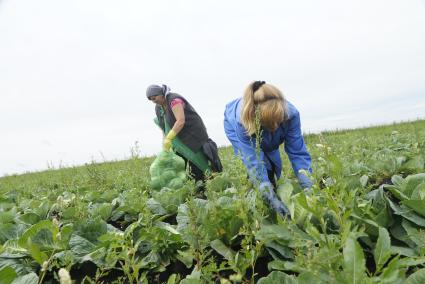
{"x": 412, "y": 182}
{"x": 308, "y": 277}
{"x": 35, "y": 229}
{"x": 185, "y": 257}
{"x": 29, "y": 218}
{"x": 6, "y": 217}
{"x": 391, "y": 272}
{"x": 412, "y": 261}
{"x": 30, "y": 278}
{"x": 398, "y": 232}
{"x": 416, "y": 278}
{"x": 7, "y": 275}
{"x": 354, "y": 261}
{"x": 415, "y": 235}
{"x": 172, "y": 279}
{"x": 284, "y": 191}
{"x": 285, "y": 266}
{"x": 407, "y": 213}
{"x": 69, "y": 213}
{"x": 91, "y": 229}
{"x": 403, "y": 251}
{"x": 396, "y": 192}
{"x": 11, "y": 231}
{"x": 417, "y": 205}
{"x": 103, "y": 210}
{"x": 273, "y": 232}
{"x": 279, "y": 251}
{"x": 36, "y": 253}
{"x": 20, "y": 265}
{"x": 416, "y": 164}
{"x": 222, "y": 249}
{"x": 382, "y": 250}
{"x": 278, "y": 277}
{"x": 80, "y": 246}
{"x": 419, "y": 192}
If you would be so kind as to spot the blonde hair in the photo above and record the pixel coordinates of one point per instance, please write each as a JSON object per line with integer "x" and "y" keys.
{"x": 268, "y": 101}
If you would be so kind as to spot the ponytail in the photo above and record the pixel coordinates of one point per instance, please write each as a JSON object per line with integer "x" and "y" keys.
{"x": 268, "y": 100}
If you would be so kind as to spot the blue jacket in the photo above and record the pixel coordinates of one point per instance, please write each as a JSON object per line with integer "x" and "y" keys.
{"x": 289, "y": 133}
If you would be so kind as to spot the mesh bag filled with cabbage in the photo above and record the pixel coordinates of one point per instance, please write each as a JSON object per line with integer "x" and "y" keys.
{"x": 168, "y": 170}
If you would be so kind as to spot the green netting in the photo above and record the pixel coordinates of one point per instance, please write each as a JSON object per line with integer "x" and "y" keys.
{"x": 168, "y": 170}
{"x": 197, "y": 158}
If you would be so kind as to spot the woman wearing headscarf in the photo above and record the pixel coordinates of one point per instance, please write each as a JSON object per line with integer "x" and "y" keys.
{"x": 184, "y": 131}
{"x": 264, "y": 110}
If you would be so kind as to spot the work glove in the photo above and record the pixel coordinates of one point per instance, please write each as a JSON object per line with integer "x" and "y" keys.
{"x": 268, "y": 194}
{"x": 168, "y": 140}
{"x": 305, "y": 182}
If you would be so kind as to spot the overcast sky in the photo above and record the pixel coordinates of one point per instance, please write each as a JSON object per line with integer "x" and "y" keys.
{"x": 73, "y": 74}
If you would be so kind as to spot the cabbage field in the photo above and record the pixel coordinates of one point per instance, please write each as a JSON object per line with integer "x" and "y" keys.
{"x": 105, "y": 223}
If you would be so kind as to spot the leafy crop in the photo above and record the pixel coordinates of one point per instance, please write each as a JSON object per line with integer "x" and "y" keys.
{"x": 364, "y": 221}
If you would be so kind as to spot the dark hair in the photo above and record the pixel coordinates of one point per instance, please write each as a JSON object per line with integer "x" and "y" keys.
{"x": 256, "y": 85}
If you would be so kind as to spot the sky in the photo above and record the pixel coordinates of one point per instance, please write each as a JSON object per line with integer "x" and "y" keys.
{"x": 73, "y": 74}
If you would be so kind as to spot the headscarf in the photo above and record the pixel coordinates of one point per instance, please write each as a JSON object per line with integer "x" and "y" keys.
{"x": 155, "y": 90}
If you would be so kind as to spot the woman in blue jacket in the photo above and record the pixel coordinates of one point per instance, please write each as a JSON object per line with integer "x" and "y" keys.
{"x": 280, "y": 123}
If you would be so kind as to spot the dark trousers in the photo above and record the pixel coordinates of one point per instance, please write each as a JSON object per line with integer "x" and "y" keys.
{"x": 194, "y": 171}
{"x": 271, "y": 174}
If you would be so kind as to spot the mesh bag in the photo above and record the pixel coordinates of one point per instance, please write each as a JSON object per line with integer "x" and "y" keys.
{"x": 168, "y": 170}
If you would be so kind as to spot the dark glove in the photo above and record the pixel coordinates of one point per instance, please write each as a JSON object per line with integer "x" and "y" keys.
{"x": 268, "y": 194}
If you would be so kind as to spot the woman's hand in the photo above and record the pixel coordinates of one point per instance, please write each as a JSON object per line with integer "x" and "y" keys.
{"x": 168, "y": 140}
{"x": 268, "y": 194}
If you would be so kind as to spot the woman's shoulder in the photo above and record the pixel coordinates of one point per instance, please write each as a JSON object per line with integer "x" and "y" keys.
{"x": 233, "y": 107}
{"x": 291, "y": 110}
{"x": 234, "y": 103}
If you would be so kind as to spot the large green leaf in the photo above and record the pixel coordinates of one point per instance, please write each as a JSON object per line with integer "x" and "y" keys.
{"x": 222, "y": 249}
{"x": 397, "y": 192}
{"x": 91, "y": 229}
{"x": 391, "y": 272}
{"x": 278, "y": 277}
{"x": 285, "y": 266}
{"x": 412, "y": 182}
{"x": 103, "y": 210}
{"x": 399, "y": 232}
{"x": 35, "y": 229}
{"x": 354, "y": 261}
{"x": 415, "y": 164}
{"x": 29, "y": 218}
{"x": 170, "y": 199}
{"x": 273, "y": 232}
{"x": 412, "y": 261}
{"x": 7, "y": 275}
{"x": 382, "y": 250}
{"x": 80, "y": 246}
{"x": 278, "y": 250}
{"x": 30, "y": 278}
{"x": 416, "y": 278}
{"x": 403, "y": 251}
{"x": 417, "y": 205}
{"x": 415, "y": 235}
{"x": 419, "y": 192}
{"x": 11, "y": 231}
{"x": 407, "y": 213}
{"x": 20, "y": 265}
{"x": 7, "y": 217}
